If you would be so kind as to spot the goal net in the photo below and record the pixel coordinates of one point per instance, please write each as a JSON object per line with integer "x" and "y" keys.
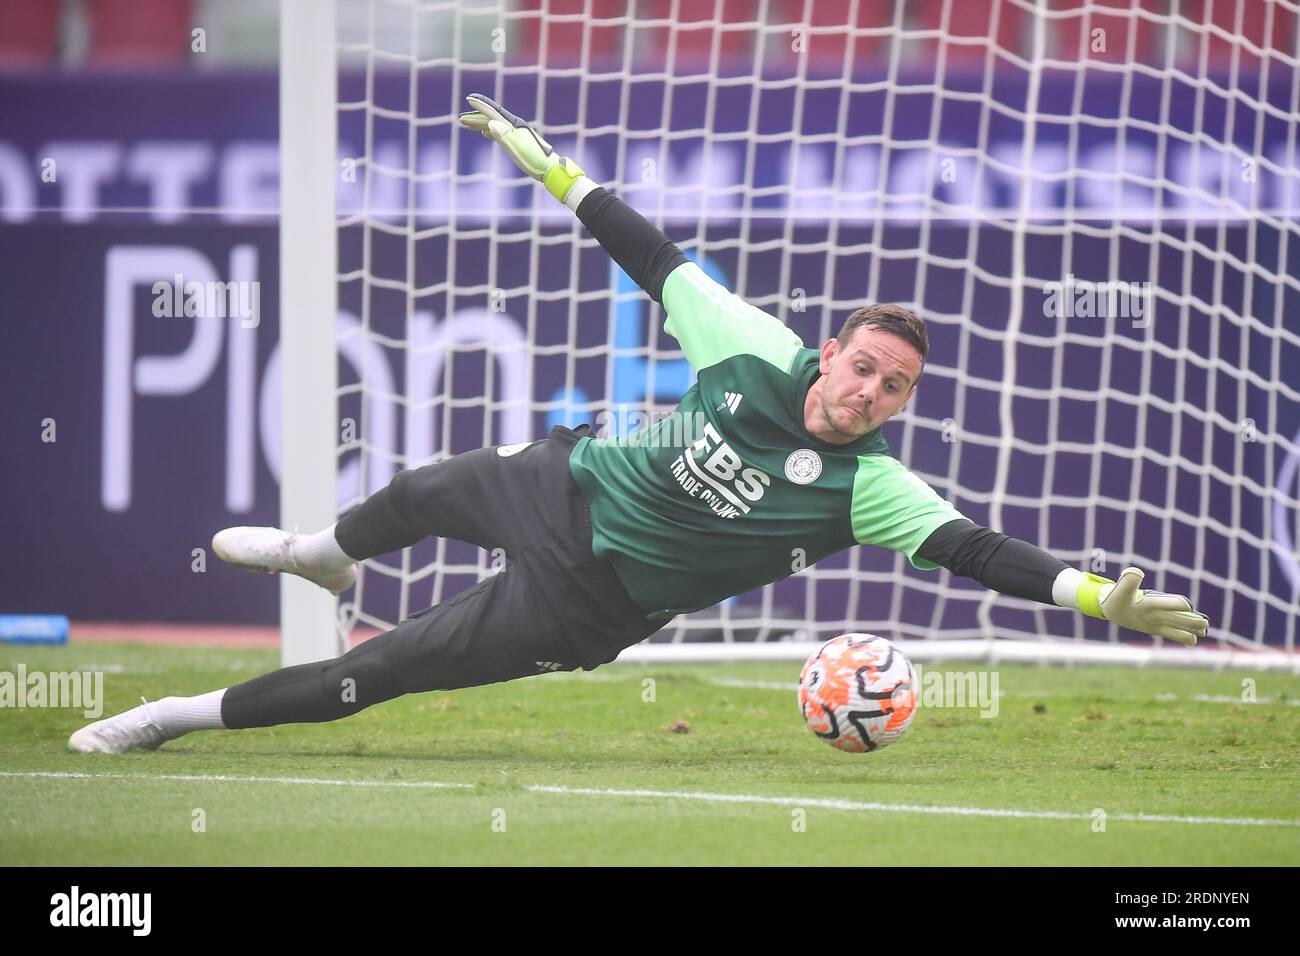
{"x": 1092, "y": 205}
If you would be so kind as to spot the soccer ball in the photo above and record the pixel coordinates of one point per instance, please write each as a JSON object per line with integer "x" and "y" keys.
{"x": 858, "y": 693}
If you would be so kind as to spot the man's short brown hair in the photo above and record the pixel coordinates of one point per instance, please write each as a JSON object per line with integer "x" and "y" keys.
{"x": 895, "y": 319}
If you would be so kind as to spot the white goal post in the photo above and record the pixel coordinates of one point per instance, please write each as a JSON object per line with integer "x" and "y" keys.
{"x": 308, "y": 303}
{"x": 1093, "y": 205}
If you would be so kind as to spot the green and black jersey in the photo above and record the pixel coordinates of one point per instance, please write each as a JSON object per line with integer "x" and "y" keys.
{"x": 730, "y": 492}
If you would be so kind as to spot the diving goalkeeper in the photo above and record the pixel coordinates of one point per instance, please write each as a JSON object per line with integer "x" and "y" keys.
{"x": 774, "y": 459}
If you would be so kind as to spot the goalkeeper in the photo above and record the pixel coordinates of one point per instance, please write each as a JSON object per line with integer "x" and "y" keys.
{"x": 772, "y": 461}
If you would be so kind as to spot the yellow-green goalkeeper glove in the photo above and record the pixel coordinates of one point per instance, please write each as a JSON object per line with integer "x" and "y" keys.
{"x": 1170, "y": 616}
{"x": 523, "y": 144}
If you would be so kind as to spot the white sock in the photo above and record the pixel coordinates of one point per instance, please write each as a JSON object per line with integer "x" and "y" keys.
{"x": 180, "y": 715}
{"x": 321, "y": 550}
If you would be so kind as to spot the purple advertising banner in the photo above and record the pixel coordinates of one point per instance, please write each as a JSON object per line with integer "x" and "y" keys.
{"x": 134, "y": 431}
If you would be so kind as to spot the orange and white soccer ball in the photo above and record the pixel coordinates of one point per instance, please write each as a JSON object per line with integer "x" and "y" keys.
{"x": 858, "y": 693}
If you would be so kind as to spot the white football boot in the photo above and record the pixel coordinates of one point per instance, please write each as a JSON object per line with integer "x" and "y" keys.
{"x": 272, "y": 551}
{"x": 134, "y": 729}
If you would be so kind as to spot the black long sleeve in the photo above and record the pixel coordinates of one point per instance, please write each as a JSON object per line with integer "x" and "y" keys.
{"x": 635, "y": 243}
{"x": 1001, "y": 563}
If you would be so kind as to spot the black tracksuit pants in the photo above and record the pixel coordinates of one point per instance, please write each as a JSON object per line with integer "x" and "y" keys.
{"x": 556, "y": 606}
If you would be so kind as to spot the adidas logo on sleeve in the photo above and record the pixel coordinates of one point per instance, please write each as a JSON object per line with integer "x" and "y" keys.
{"x": 731, "y": 402}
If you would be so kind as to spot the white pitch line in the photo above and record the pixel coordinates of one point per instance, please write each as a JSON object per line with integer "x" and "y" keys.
{"x": 757, "y": 684}
{"x": 913, "y": 808}
{"x": 225, "y": 778}
{"x": 819, "y": 802}
{"x": 1160, "y": 698}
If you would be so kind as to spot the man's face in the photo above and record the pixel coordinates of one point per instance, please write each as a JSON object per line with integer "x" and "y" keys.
{"x": 867, "y": 381}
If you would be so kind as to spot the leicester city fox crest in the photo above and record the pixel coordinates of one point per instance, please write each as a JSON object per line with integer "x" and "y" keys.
{"x": 803, "y": 466}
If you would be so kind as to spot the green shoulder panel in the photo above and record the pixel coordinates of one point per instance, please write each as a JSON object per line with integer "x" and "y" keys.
{"x": 712, "y": 324}
{"x": 894, "y": 509}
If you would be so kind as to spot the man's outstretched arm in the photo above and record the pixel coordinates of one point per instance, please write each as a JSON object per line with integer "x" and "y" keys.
{"x": 893, "y": 508}
{"x": 1011, "y": 566}
{"x": 709, "y": 322}
{"x": 636, "y": 244}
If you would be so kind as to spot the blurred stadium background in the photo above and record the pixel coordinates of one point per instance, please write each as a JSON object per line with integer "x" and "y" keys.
{"x": 817, "y": 154}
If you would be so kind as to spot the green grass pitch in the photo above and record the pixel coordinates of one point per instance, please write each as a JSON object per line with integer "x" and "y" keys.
{"x": 582, "y": 769}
